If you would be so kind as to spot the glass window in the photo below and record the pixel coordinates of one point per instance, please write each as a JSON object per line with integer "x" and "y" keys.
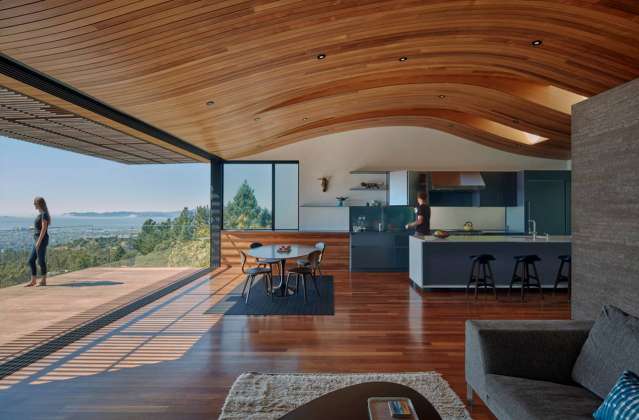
{"x": 248, "y": 196}
{"x": 261, "y": 195}
{"x": 286, "y": 190}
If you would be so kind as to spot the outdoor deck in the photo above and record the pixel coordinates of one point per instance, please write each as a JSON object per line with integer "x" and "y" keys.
{"x": 31, "y": 315}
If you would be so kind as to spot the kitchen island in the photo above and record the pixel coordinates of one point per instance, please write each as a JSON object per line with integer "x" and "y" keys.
{"x": 446, "y": 263}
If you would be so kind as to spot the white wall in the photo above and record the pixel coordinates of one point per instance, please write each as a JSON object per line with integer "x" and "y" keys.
{"x": 389, "y": 148}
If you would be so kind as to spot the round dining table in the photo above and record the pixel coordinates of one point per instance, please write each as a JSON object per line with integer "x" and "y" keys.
{"x": 270, "y": 252}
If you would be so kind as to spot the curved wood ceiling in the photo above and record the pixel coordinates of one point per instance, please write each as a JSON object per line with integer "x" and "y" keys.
{"x": 471, "y": 69}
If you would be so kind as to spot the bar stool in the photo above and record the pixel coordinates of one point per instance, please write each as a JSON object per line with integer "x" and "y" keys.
{"x": 526, "y": 262}
{"x": 561, "y": 277}
{"x": 481, "y": 273}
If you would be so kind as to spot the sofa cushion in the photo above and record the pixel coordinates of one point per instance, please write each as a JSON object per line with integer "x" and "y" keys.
{"x": 527, "y": 399}
{"x": 609, "y": 350}
{"x": 622, "y": 403}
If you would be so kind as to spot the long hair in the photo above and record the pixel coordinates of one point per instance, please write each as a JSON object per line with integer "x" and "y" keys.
{"x": 42, "y": 205}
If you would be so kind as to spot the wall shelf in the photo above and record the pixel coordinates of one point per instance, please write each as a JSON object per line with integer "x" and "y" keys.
{"x": 368, "y": 189}
{"x": 362, "y": 172}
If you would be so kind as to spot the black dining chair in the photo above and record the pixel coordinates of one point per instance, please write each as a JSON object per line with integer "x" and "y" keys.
{"x": 253, "y": 272}
{"x": 305, "y": 271}
{"x": 321, "y": 246}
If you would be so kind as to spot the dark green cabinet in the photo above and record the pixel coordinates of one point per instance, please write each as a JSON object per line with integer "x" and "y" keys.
{"x": 547, "y": 201}
{"x": 379, "y": 251}
{"x": 500, "y": 190}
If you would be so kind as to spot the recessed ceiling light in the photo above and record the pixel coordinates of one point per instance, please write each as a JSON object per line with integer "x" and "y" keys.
{"x": 210, "y": 103}
{"x": 305, "y": 118}
{"x": 321, "y": 56}
{"x": 442, "y": 96}
{"x": 257, "y": 118}
{"x": 404, "y": 58}
{"x": 537, "y": 43}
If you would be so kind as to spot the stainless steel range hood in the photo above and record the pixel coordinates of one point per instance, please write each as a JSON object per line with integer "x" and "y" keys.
{"x": 456, "y": 181}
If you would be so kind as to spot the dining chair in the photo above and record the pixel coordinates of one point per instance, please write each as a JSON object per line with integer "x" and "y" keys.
{"x": 265, "y": 261}
{"x": 321, "y": 246}
{"x": 251, "y": 273}
{"x": 306, "y": 270}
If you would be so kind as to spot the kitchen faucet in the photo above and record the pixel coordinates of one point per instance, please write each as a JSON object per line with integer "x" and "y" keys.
{"x": 534, "y": 228}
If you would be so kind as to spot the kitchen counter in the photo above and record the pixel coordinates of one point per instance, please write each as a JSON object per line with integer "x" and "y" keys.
{"x": 445, "y": 263}
{"x": 494, "y": 238}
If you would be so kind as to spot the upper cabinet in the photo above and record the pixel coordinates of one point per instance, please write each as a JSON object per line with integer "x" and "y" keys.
{"x": 500, "y": 190}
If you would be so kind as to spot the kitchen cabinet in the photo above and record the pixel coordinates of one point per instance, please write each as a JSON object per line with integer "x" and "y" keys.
{"x": 379, "y": 251}
{"x": 547, "y": 201}
{"x": 403, "y": 187}
{"x": 500, "y": 190}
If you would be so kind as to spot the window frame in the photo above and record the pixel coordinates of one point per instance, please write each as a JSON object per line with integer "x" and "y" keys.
{"x": 272, "y": 163}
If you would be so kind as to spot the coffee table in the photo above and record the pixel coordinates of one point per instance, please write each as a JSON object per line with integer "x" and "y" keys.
{"x": 351, "y": 403}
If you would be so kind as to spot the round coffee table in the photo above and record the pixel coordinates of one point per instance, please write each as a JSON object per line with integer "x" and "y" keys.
{"x": 351, "y": 403}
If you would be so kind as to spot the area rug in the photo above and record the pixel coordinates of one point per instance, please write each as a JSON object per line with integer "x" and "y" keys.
{"x": 267, "y": 396}
{"x": 262, "y": 304}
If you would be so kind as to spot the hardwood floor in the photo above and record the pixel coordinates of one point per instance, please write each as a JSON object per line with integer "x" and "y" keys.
{"x": 169, "y": 360}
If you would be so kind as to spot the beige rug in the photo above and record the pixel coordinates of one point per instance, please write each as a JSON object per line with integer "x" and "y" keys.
{"x": 267, "y": 396}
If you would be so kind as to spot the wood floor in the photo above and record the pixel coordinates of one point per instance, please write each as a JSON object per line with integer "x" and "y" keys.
{"x": 169, "y": 360}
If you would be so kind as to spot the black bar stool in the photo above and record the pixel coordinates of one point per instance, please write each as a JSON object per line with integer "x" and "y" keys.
{"x": 561, "y": 277}
{"x": 481, "y": 274}
{"x": 525, "y": 271}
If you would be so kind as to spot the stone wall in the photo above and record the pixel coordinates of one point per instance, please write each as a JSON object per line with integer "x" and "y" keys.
{"x": 605, "y": 197}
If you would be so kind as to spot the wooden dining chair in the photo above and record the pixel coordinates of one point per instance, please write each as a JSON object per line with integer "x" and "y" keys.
{"x": 321, "y": 246}
{"x": 253, "y": 272}
{"x": 305, "y": 271}
{"x": 265, "y": 261}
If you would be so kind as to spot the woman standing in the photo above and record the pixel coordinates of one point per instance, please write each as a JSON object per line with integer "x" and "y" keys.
{"x": 41, "y": 237}
{"x": 422, "y": 223}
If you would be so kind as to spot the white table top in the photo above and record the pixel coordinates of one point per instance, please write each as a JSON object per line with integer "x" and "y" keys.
{"x": 270, "y": 251}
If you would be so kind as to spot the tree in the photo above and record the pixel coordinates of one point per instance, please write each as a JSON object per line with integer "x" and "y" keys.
{"x": 243, "y": 212}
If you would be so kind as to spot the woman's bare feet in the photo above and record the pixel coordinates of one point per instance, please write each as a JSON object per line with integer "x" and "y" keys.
{"x": 30, "y": 284}
{"x": 43, "y": 282}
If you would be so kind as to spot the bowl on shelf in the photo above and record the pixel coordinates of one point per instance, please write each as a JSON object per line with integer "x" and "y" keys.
{"x": 441, "y": 234}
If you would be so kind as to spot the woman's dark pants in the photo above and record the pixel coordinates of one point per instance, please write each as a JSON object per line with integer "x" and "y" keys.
{"x": 40, "y": 255}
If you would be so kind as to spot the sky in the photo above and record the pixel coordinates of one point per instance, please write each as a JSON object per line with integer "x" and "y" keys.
{"x": 74, "y": 182}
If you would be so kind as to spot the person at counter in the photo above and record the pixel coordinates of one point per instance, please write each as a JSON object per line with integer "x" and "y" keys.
{"x": 422, "y": 223}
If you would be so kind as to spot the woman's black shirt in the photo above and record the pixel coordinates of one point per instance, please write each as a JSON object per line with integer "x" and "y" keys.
{"x": 38, "y": 224}
{"x": 424, "y": 211}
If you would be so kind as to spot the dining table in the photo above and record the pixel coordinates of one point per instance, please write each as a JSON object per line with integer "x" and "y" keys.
{"x": 273, "y": 252}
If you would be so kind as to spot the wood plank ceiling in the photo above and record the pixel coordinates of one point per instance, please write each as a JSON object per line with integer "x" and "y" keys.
{"x": 471, "y": 66}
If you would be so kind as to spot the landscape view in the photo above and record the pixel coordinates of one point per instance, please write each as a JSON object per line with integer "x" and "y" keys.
{"x": 129, "y": 235}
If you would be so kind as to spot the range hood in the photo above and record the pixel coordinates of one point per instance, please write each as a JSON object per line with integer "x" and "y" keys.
{"x": 456, "y": 181}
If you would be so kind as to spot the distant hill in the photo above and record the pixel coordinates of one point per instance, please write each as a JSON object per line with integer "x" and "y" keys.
{"x": 170, "y": 214}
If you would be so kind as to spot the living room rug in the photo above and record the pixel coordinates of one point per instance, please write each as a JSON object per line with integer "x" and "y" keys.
{"x": 267, "y": 396}
{"x": 262, "y": 304}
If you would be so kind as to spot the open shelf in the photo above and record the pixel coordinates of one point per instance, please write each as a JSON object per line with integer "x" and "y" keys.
{"x": 369, "y": 172}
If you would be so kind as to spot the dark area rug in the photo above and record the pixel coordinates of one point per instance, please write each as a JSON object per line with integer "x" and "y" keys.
{"x": 261, "y": 304}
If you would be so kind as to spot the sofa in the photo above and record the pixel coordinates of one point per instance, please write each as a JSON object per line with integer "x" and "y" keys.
{"x": 525, "y": 370}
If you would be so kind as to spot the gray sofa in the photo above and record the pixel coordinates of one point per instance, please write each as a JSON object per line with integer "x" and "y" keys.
{"x": 522, "y": 369}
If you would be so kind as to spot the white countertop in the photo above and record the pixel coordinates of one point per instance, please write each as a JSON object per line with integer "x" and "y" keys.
{"x": 494, "y": 238}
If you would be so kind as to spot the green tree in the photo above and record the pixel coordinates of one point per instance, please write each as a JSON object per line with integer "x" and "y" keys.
{"x": 243, "y": 212}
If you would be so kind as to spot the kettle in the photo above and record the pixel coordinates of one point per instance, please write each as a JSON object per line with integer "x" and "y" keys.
{"x": 468, "y": 226}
